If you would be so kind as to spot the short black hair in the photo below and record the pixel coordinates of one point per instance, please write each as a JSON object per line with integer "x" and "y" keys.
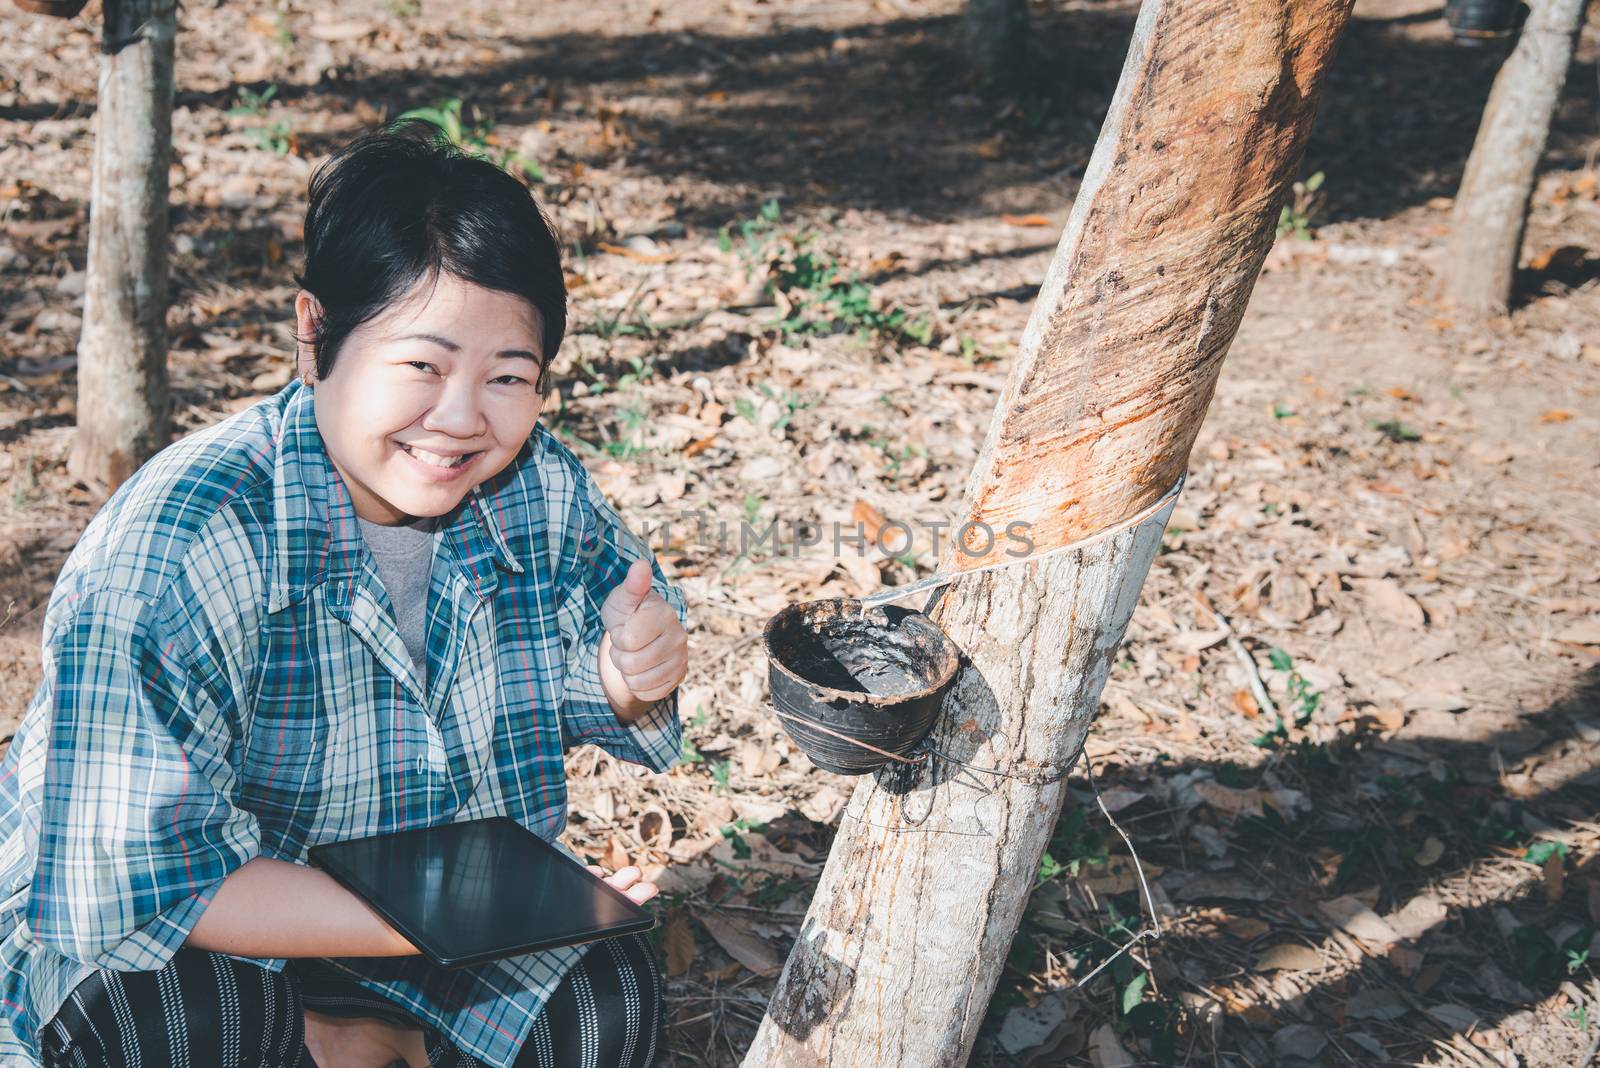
{"x": 391, "y": 208}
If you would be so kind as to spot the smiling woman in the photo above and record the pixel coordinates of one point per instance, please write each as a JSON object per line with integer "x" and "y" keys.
{"x": 383, "y": 598}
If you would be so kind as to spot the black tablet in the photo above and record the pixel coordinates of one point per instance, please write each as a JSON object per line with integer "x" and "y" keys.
{"x": 477, "y": 890}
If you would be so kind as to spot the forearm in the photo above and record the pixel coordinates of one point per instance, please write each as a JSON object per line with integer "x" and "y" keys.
{"x": 272, "y": 908}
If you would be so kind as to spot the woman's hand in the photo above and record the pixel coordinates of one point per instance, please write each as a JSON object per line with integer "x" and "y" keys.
{"x": 630, "y": 881}
{"x": 645, "y": 648}
{"x": 362, "y": 1042}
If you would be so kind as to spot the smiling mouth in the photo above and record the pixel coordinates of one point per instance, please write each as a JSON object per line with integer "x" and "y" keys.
{"x": 433, "y": 460}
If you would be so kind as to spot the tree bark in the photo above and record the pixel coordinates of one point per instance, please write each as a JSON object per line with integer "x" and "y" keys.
{"x": 122, "y": 354}
{"x": 905, "y": 938}
{"x": 997, "y": 41}
{"x": 1491, "y": 208}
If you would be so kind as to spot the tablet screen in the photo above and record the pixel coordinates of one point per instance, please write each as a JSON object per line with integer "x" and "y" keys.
{"x": 479, "y": 889}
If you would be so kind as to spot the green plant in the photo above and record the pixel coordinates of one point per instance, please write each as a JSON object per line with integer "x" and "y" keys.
{"x": 1295, "y": 217}
{"x": 1396, "y": 431}
{"x": 476, "y": 137}
{"x": 1303, "y": 698}
{"x": 814, "y": 290}
{"x": 251, "y": 102}
{"x": 719, "y": 775}
{"x": 277, "y": 137}
{"x": 690, "y": 754}
{"x": 752, "y": 507}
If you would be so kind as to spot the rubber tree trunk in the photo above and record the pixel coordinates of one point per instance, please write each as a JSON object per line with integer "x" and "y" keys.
{"x": 1491, "y": 208}
{"x": 924, "y": 887}
{"x": 122, "y": 354}
{"x": 997, "y": 42}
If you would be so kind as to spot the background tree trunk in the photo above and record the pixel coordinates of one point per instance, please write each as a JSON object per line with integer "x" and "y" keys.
{"x": 122, "y": 354}
{"x": 925, "y": 885}
{"x": 997, "y": 41}
{"x": 1491, "y": 208}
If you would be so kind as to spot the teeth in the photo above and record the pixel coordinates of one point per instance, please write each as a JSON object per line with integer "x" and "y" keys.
{"x": 434, "y": 459}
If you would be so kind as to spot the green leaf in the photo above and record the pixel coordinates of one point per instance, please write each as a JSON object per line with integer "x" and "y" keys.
{"x": 1280, "y": 660}
{"x": 1314, "y": 183}
{"x": 1539, "y": 852}
{"x": 1133, "y": 993}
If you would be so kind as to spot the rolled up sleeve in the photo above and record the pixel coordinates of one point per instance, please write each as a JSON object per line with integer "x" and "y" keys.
{"x": 137, "y": 822}
{"x": 599, "y": 553}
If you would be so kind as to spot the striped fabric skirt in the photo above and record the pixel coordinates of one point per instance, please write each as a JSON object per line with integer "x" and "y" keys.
{"x": 210, "y": 1010}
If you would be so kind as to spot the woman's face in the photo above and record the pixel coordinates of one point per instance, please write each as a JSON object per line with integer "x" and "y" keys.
{"x": 450, "y": 371}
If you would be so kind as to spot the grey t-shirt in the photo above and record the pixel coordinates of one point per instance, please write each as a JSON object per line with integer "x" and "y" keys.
{"x": 405, "y": 561}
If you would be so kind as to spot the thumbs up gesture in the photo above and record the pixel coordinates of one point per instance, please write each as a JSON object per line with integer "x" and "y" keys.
{"x": 645, "y": 651}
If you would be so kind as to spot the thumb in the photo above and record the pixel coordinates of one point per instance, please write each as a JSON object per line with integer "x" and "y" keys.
{"x": 624, "y": 599}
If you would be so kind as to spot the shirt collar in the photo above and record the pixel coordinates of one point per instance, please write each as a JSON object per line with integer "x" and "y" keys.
{"x": 317, "y": 536}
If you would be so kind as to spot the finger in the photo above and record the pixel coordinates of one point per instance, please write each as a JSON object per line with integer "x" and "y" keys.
{"x": 654, "y": 684}
{"x": 626, "y": 597}
{"x": 665, "y": 651}
{"x": 653, "y": 618}
{"x": 623, "y": 878}
{"x": 639, "y": 893}
{"x": 644, "y": 643}
{"x": 595, "y": 868}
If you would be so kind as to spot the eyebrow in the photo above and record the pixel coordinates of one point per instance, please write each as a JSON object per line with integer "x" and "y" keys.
{"x": 451, "y": 346}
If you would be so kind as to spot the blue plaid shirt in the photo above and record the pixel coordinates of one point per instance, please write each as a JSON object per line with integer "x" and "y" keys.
{"x": 224, "y": 679}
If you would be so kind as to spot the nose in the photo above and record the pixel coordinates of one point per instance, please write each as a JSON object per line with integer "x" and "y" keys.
{"x": 458, "y": 411}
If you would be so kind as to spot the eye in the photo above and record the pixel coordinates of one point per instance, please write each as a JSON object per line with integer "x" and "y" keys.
{"x": 512, "y": 379}
{"x": 423, "y": 365}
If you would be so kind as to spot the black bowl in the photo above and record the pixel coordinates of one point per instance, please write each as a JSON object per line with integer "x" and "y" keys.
{"x": 877, "y": 675}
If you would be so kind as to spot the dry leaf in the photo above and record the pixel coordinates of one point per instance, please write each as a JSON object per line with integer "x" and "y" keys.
{"x": 1386, "y": 600}
{"x": 1419, "y": 916}
{"x": 678, "y": 938}
{"x": 1025, "y": 220}
{"x": 1559, "y": 258}
{"x": 1353, "y": 916}
{"x": 1289, "y": 957}
{"x": 1291, "y": 597}
{"x": 616, "y": 857}
{"x": 1585, "y": 632}
{"x": 1106, "y": 1051}
{"x": 1555, "y": 415}
{"x": 1432, "y": 849}
{"x": 1245, "y": 702}
{"x": 636, "y": 255}
{"x": 742, "y": 944}
{"x": 1247, "y": 928}
{"x": 1227, "y": 799}
{"x": 1194, "y": 641}
{"x": 1555, "y": 877}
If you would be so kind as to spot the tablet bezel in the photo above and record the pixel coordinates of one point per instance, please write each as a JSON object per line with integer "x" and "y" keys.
{"x": 326, "y": 857}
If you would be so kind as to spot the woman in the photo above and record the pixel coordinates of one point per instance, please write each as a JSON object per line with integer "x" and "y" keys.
{"x": 383, "y": 598}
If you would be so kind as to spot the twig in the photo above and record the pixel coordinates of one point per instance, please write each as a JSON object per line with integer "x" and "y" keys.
{"x": 1252, "y": 673}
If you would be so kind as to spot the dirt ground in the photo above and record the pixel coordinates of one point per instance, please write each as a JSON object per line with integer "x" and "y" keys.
{"x": 1391, "y": 505}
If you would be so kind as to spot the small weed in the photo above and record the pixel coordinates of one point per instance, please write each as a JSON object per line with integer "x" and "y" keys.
{"x": 815, "y": 291}
{"x": 1281, "y": 412}
{"x": 477, "y": 137}
{"x": 1295, "y": 217}
{"x": 752, "y": 507}
{"x": 251, "y": 102}
{"x": 403, "y": 9}
{"x": 1397, "y": 432}
{"x": 719, "y": 775}
{"x": 1303, "y": 699}
{"x": 690, "y": 754}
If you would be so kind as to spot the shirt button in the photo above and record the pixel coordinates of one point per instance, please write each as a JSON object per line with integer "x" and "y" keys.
{"x": 422, "y": 765}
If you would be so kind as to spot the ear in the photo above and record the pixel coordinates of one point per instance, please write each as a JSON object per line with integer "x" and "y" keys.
{"x": 307, "y": 318}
